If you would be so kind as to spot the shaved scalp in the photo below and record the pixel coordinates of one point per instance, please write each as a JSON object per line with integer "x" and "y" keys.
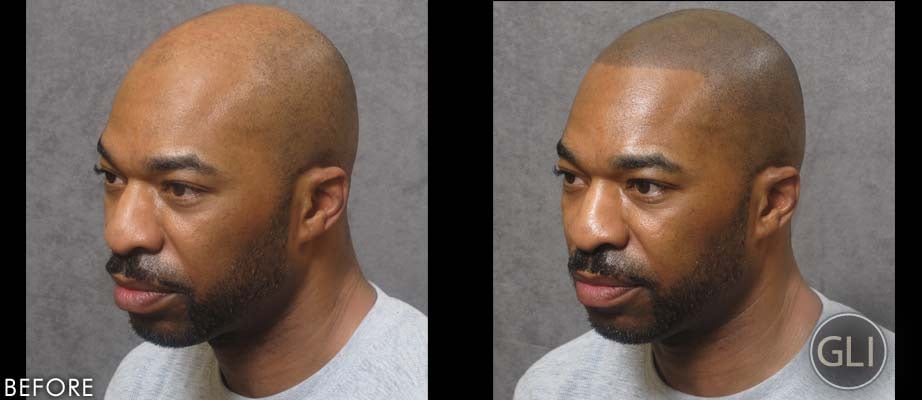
{"x": 749, "y": 79}
{"x": 295, "y": 87}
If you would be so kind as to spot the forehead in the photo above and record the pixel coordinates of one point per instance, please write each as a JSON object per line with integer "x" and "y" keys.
{"x": 184, "y": 108}
{"x": 642, "y": 109}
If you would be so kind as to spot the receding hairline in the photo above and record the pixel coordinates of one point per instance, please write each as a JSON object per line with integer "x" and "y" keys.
{"x": 745, "y": 69}
{"x": 314, "y": 103}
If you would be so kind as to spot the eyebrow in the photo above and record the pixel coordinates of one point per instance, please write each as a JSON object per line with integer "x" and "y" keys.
{"x": 565, "y": 153}
{"x": 103, "y": 152}
{"x": 189, "y": 162}
{"x": 628, "y": 161}
{"x": 641, "y": 161}
{"x": 162, "y": 164}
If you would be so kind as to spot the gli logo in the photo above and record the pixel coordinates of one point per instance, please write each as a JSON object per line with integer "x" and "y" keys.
{"x": 848, "y": 351}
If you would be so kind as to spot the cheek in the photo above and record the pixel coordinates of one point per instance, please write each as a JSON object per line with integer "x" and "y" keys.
{"x": 208, "y": 244}
{"x": 671, "y": 241}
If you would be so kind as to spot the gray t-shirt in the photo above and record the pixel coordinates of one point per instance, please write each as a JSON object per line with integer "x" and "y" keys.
{"x": 386, "y": 358}
{"x": 592, "y": 367}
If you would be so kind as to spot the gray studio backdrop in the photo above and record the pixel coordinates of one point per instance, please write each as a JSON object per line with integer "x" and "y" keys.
{"x": 76, "y": 55}
{"x": 844, "y": 224}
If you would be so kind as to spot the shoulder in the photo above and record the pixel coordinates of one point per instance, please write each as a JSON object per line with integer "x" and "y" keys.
{"x": 402, "y": 324}
{"x": 565, "y": 354}
{"x": 584, "y": 359}
{"x": 147, "y": 367}
{"x": 389, "y": 355}
{"x": 832, "y": 307}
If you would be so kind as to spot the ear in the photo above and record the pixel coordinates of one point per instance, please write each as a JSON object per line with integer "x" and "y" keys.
{"x": 777, "y": 190}
{"x": 320, "y": 197}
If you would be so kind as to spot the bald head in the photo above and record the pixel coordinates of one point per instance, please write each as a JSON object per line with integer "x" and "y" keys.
{"x": 226, "y": 162}
{"x": 260, "y": 75}
{"x": 750, "y": 86}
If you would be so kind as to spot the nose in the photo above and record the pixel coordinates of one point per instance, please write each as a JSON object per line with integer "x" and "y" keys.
{"x": 131, "y": 221}
{"x": 596, "y": 218}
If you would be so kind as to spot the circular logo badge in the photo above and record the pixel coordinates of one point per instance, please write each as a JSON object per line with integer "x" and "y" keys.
{"x": 848, "y": 351}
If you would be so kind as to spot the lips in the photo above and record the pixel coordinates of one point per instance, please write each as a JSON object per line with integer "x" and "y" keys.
{"x": 140, "y": 297}
{"x": 601, "y": 280}
{"x": 602, "y": 291}
{"x": 138, "y": 285}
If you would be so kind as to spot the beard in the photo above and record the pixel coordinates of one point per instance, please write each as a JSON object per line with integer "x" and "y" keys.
{"x": 251, "y": 277}
{"x": 715, "y": 271}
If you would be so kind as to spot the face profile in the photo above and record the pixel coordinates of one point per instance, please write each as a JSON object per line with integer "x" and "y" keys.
{"x": 655, "y": 201}
{"x": 655, "y": 165}
{"x": 679, "y": 168}
{"x": 226, "y": 165}
{"x": 201, "y": 232}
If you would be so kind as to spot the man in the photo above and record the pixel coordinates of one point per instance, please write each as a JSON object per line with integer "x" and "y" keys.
{"x": 226, "y": 163}
{"x": 680, "y": 167}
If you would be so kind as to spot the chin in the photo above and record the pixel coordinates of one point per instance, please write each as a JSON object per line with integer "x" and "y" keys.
{"x": 166, "y": 333}
{"x": 624, "y": 329}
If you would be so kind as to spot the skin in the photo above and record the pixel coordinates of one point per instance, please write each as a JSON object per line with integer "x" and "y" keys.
{"x": 268, "y": 103}
{"x": 641, "y": 97}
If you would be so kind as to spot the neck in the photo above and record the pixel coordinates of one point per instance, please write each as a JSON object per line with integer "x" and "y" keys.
{"x": 310, "y": 325}
{"x": 765, "y": 330}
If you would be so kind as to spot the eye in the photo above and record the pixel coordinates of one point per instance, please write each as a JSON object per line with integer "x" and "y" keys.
{"x": 109, "y": 177}
{"x": 646, "y": 188}
{"x": 568, "y": 177}
{"x": 180, "y": 190}
{"x": 643, "y": 187}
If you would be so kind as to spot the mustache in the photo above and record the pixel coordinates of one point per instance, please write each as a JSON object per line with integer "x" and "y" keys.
{"x": 146, "y": 268}
{"x": 608, "y": 261}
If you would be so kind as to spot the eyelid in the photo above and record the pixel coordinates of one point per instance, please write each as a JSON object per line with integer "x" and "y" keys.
{"x": 559, "y": 171}
{"x": 658, "y": 184}
{"x": 661, "y": 188}
{"x": 99, "y": 170}
{"x": 188, "y": 186}
{"x": 193, "y": 194}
